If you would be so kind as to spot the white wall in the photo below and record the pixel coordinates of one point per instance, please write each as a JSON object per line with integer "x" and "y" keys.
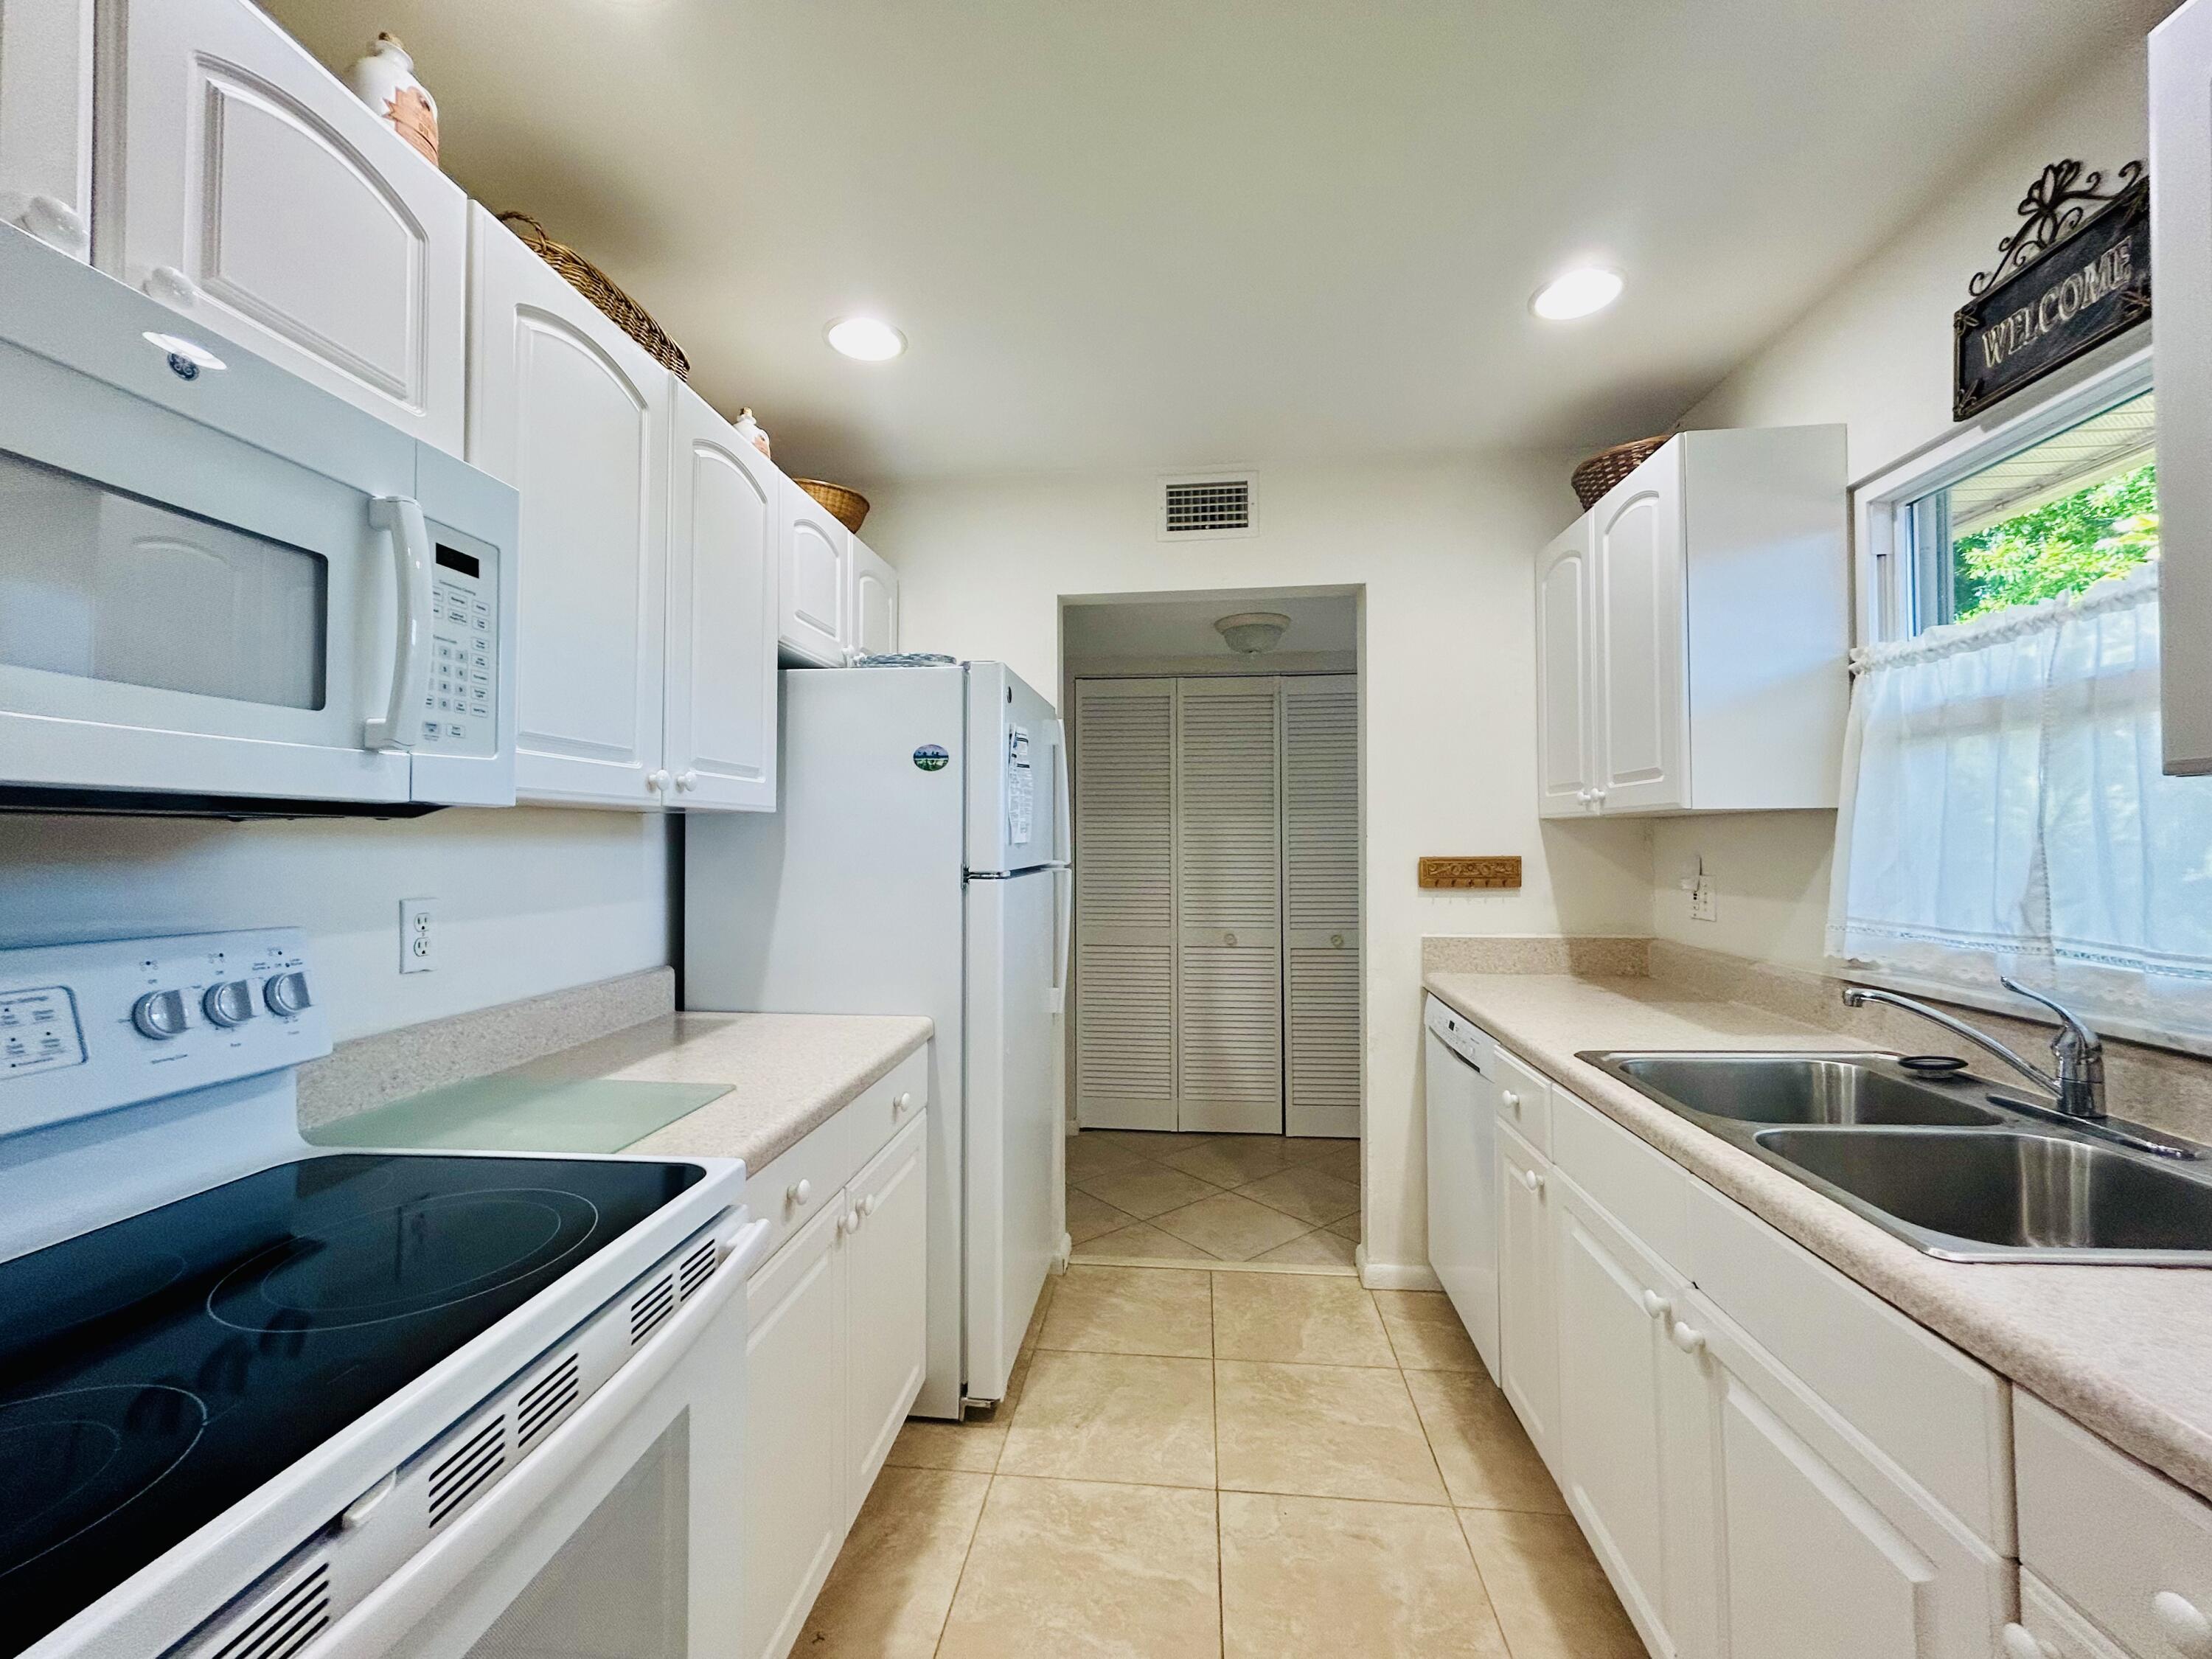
{"x": 1445, "y": 553}
{"x": 529, "y": 900}
{"x": 1874, "y": 354}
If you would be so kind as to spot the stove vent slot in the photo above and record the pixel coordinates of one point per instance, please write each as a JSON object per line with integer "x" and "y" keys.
{"x": 467, "y": 1469}
{"x": 697, "y": 1267}
{"x": 652, "y": 1307}
{"x": 544, "y": 1403}
{"x": 286, "y": 1625}
{"x": 1207, "y": 507}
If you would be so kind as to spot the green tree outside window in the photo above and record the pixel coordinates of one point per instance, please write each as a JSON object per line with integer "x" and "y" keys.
{"x": 2059, "y": 548}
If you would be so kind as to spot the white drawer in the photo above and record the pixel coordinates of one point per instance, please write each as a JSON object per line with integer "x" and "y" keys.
{"x": 2126, "y": 1546}
{"x": 1940, "y": 1415}
{"x": 2057, "y": 1627}
{"x": 833, "y": 1153}
{"x": 1643, "y": 1188}
{"x": 1524, "y": 1098}
{"x": 888, "y": 1104}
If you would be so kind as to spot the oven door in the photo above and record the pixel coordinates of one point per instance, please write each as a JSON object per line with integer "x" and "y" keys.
{"x": 620, "y": 1537}
{"x": 216, "y": 580}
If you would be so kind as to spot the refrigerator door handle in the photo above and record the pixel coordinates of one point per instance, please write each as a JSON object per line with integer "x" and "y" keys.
{"x": 1063, "y": 823}
{"x": 1063, "y": 881}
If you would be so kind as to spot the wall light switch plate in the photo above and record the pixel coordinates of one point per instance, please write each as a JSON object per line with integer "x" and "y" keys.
{"x": 418, "y": 935}
{"x": 1702, "y": 905}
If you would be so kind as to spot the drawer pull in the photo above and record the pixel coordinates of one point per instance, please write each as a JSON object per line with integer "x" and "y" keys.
{"x": 899, "y": 1102}
{"x": 2021, "y": 1643}
{"x": 1656, "y": 1305}
{"x": 2181, "y": 1623}
{"x": 1687, "y": 1338}
{"x": 1532, "y": 1181}
{"x": 1512, "y": 1100}
{"x": 798, "y": 1192}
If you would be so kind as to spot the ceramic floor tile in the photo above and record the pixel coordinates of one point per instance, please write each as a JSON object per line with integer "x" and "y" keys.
{"x": 1339, "y": 1157}
{"x": 927, "y": 1444}
{"x": 1303, "y": 1149}
{"x": 1231, "y": 1160}
{"x": 1314, "y": 1196}
{"x": 1142, "y": 1243}
{"x": 1305, "y": 1577}
{"x": 1303, "y": 1317}
{"x": 1321, "y": 1431}
{"x": 1488, "y": 1460}
{"x": 1153, "y": 1144}
{"x": 1067, "y": 1570}
{"x": 1347, "y": 1228}
{"x": 1552, "y": 1597}
{"x": 1115, "y": 1417}
{"x": 888, "y": 1594}
{"x": 1147, "y": 1190}
{"x": 1426, "y": 1331}
{"x": 1090, "y": 1154}
{"x": 1046, "y": 1292}
{"x": 1160, "y": 1310}
{"x": 1232, "y": 1228}
{"x": 1318, "y": 1249}
{"x": 1089, "y": 1217}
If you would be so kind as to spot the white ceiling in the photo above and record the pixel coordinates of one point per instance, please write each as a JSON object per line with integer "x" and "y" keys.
{"x": 1184, "y": 627}
{"x": 1151, "y": 234}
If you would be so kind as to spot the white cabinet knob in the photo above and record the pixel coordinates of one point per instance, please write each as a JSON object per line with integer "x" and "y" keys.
{"x": 1512, "y": 1100}
{"x": 798, "y": 1192}
{"x": 868, "y": 1205}
{"x": 899, "y": 1102}
{"x": 1656, "y": 1305}
{"x": 56, "y": 223}
{"x": 170, "y": 286}
{"x": 657, "y": 780}
{"x": 2021, "y": 1643}
{"x": 1532, "y": 1181}
{"x": 687, "y": 779}
{"x": 2180, "y": 1621}
{"x": 856, "y": 1217}
{"x": 1687, "y": 1338}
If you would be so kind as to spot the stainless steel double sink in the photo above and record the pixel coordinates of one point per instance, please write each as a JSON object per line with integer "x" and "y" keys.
{"x": 1947, "y": 1163}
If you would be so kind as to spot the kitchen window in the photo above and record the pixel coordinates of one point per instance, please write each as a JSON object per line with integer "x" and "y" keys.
{"x": 2004, "y": 812}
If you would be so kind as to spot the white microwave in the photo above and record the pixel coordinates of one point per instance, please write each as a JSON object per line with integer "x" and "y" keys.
{"x": 224, "y": 590}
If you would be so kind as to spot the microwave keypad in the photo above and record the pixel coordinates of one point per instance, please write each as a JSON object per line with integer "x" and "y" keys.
{"x": 457, "y": 711}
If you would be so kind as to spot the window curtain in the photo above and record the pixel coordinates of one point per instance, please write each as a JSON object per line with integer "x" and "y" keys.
{"x": 2004, "y": 812}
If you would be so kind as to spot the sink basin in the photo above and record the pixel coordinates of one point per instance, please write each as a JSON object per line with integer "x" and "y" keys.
{"x": 2042, "y": 1196}
{"x": 1796, "y": 1089}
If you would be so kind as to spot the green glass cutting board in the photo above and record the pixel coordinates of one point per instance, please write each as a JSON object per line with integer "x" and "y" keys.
{"x": 522, "y": 1114}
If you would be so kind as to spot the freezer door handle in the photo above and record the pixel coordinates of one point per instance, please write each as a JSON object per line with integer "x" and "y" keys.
{"x": 1063, "y": 882}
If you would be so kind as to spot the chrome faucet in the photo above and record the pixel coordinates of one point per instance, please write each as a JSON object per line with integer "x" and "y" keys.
{"x": 2077, "y": 1052}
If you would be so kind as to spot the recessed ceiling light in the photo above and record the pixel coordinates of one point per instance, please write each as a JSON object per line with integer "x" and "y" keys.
{"x": 1576, "y": 293}
{"x": 869, "y": 339}
{"x": 176, "y": 346}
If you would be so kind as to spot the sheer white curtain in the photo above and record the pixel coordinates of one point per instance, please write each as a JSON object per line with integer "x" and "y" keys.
{"x": 2004, "y": 813}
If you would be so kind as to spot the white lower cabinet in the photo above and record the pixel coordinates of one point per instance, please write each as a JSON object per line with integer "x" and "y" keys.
{"x": 1527, "y": 1300}
{"x": 839, "y": 1342}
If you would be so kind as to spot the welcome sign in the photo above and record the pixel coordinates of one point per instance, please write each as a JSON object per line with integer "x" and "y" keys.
{"x": 2080, "y": 275}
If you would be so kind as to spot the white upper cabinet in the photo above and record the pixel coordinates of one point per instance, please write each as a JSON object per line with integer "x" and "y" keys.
{"x": 723, "y": 513}
{"x": 871, "y": 616}
{"x": 573, "y": 413}
{"x": 46, "y": 121}
{"x": 241, "y": 184}
{"x": 1693, "y": 632}
{"x": 817, "y": 557}
{"x": 2181, "y": 250}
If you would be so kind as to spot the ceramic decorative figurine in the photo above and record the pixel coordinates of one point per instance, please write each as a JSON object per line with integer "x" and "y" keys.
{"x": 384, "y": 81}
{"x": 749, "y": 430}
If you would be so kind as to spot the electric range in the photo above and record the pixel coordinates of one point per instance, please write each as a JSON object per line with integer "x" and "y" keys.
{"x": 222, "y": 1351}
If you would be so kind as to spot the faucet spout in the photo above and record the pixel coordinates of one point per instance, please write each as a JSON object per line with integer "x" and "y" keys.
{"x": 2077, "y": 1086}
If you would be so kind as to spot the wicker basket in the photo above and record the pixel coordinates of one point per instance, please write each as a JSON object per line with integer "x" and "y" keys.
{"x": 595, "y": 285}
{"x": 848, "y": 507}
{"x": 1609, "y": 466}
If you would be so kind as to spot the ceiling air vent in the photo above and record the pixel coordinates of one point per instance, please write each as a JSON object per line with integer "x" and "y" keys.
{"x": 1213, "y": 506}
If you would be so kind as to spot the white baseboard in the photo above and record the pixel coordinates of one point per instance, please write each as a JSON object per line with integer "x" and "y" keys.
{"x": 1396, "y": 1275}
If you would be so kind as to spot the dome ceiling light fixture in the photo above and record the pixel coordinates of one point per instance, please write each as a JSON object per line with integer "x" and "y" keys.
{"x": 1583, "y": 291}
{"x": 1248, "y": 633}
{"x": 870, "y": 339}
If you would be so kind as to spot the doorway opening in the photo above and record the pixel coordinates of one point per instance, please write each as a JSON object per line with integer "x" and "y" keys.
{"x": 1215, "y": 999}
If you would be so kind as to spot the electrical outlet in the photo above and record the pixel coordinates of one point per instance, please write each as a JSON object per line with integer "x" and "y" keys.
{"x": 418, "y": 935}
{"x": 1701, "y": 906}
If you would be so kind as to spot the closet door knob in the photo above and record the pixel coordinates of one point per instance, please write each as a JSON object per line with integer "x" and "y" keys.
{"x": 1336, "y": 940}
{"x": 1229, "y": 938}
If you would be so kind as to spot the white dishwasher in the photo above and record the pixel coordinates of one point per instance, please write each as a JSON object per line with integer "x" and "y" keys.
{"x": 1462, "y": 1134}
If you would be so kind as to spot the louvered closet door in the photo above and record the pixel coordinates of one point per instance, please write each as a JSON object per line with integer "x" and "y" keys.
{"x": 1320, "y": 903}
{"x": 1124, "y": 773}
{"x": 1229, "y": 869}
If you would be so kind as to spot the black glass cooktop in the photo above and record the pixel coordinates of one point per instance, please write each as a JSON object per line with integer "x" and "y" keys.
{"x": 156, "y": 1371}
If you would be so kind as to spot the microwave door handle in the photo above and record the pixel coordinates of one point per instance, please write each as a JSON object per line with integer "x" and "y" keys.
{"x": 401, "y": 725}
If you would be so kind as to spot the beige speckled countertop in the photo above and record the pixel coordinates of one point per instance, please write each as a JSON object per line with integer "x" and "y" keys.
{"x": 2126, "y": 1351}
{"x": 787, "y": 1073}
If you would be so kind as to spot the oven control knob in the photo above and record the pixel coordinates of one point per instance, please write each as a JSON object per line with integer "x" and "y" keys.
{"x": 230, "y": 1003}
{"x": 287, "y": 994}
{"x": 160, "y": 1015}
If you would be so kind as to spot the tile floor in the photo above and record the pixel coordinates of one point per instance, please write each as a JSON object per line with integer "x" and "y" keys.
{"x": 1138, "y": 1197}
{"x": 1251, "y": 1464}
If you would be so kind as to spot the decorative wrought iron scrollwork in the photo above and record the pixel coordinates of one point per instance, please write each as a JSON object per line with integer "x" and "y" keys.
{"x": 2055, "y": 207}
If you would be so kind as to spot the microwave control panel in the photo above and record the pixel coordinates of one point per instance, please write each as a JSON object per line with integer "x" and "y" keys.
{"x": 460, "y": 710}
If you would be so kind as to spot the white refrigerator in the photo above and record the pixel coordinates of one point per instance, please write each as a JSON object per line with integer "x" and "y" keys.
{"x": 918, "y": 865}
